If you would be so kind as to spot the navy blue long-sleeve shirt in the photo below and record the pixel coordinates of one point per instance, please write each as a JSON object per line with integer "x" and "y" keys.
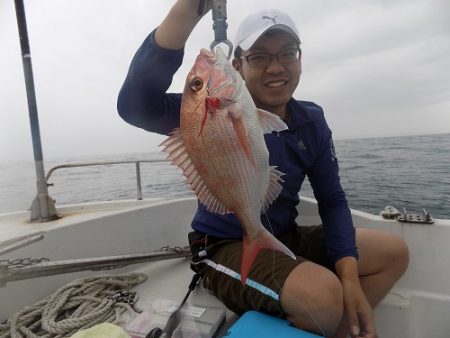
{"x": 305, "y": 149}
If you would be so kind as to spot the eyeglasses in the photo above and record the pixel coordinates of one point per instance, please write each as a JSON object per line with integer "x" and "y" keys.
{"x": 262, "y": 60}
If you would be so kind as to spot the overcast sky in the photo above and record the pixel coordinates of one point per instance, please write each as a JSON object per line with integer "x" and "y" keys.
{"x": 378, "y": 68}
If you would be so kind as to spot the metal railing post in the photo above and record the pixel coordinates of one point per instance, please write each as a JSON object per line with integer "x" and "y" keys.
{"x": 138, "y": 180}
{"x": 43, "y": 208}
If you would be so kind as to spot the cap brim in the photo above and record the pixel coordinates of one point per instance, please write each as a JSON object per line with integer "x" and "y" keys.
{"x": 251, "y": 39}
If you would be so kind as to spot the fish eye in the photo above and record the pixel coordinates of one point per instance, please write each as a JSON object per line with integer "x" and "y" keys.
{"x": 196, "y": 84}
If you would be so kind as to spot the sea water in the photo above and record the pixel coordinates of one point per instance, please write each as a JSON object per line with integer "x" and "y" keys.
{"x": 410, "y": 172}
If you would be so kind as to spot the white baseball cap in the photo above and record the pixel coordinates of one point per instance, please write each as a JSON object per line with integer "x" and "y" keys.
{"x": 256, "y": 24}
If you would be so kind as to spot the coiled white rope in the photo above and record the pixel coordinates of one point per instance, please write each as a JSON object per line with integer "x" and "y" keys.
{"x": 78, "y": 305}
{"x": 390, "y": 212}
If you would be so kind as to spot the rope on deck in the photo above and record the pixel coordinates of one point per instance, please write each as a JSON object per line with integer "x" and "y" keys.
{"x": 78, "y": 305}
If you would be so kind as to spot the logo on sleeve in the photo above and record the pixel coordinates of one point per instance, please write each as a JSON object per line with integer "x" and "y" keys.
{"x": 333, "y": 150}
{"x": 301, "y": 145}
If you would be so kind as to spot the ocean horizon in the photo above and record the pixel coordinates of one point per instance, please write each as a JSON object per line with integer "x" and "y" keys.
{"x": 411, "y": 172}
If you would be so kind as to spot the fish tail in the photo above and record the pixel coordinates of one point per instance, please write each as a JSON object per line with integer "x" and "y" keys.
{"x": 252, "y": 246}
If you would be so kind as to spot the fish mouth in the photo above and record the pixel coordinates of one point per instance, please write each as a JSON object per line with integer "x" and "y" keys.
{"x": 207, "y": 53}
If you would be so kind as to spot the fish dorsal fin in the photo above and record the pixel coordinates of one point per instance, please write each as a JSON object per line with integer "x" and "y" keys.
{"x": 274, "y": 188}
{"x": 270, "y": 122}
{"x": 174, "y": 146}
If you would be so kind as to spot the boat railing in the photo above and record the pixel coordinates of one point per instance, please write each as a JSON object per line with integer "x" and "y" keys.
{"x": 103, "y": 163}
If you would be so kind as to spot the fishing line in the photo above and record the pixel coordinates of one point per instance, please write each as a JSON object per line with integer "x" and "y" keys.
{"x": 298, "y": 301}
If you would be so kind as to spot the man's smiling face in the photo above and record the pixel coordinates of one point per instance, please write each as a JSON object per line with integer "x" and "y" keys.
{"x": 272, "y": 86}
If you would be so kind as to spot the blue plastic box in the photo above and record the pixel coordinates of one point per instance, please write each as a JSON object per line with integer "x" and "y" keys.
{"x": 257, "y": 324}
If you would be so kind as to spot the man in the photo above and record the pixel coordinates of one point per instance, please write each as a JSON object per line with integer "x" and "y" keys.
{"x": 340, "y": 273}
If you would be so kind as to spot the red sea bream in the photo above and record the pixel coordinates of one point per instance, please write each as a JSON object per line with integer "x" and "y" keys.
{"x": 221, "y": 149}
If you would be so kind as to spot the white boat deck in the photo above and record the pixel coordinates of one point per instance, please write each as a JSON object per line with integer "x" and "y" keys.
{"x": 17, "y": 224}
{"x": 417, "y": 307}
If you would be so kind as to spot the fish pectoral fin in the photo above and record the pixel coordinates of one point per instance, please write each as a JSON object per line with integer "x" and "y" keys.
{"x": 174, "y": 146}
{"x": 270, "y": 122}
{"x": 252, "y": 246}
{"x": 273, "y": 189}
{"x": 244, "y": 140}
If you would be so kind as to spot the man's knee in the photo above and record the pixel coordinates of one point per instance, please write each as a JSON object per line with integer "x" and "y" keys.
{"x": 312, "y": 298}
{"x": 381, "y": 251}
{"x": 400, "y": 253}
{"x": 390, "y": 250}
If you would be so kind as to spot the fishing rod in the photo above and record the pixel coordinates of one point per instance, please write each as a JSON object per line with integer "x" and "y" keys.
{"x": 43, "y": 207}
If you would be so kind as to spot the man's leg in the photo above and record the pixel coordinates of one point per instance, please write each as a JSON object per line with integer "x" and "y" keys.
{"x": 311, "y": 295}
{"x": 312, "y": 299}
{"x": 383, "y": 258}
{"x": 308, "y": 294}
